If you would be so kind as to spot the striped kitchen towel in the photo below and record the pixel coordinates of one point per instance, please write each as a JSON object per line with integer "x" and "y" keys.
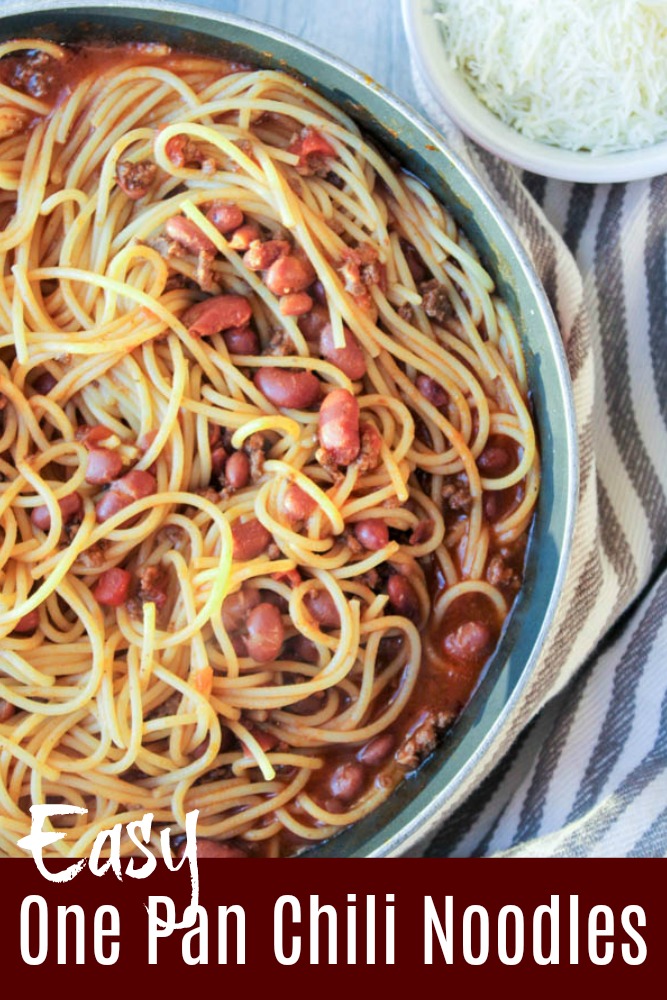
{"x": 581, "y": 769}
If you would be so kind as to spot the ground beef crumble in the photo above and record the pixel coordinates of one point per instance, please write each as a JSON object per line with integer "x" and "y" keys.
{"x": 256, "y": 448}
{"x": 135, "y": 178}
{"x": 423, "y": 737}
{"x": 281, "y": 344}
{"x": 498, "y": 572}
{"x": 152, "y": 587}
{"x": 456, "y": 494}
{"x": 436, "y": 302}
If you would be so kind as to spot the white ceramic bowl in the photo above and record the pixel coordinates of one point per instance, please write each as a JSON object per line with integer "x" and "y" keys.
{"x": 460, "y": 103}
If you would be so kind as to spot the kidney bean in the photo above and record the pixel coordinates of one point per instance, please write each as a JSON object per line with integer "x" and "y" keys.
{"x": 307, "y": 706}
{"x": 266, "y": 632}
{"x": 6, "y": 710}
{"x": 350, "y": 359}
{"x": 71, "y": 508}
{"x": 376, "y": 750}
{"x": 181, "y": 150}
{"x": 469, "y": 642}
{"x": 422, "y": 433}
{"x": 241, "y": 340}
{"x": 135, "y": 485}
{"x": 297, "y": 505}
{"x": 214, "y": 434}
{"x": 491, "y": 506}
{"x": 284, "y": 387}
{"x": 267, "y": 741}
{"x": 244, "y": 236}
{"x": 290, "y": 576}
{"x": 296, "y": 304}
{"x": 301, "y": 649}
{"x": 237, "y": 470}
{"x": 218, "y": 461}
{"x": 218, "y": 313}
{"x": 44, "y": 383}
{"x": 277, "y": 600}
{"x": 313, "y": 322}
{"x": 422, "y": 532}
{"x": 431, "y": 391}
{"x": 103, "y": 466}
{"x": 188, "y": 234}
{"x": 113, "y": 587}
{"x": 289, "y": 274}
{"x": 403, "y": 596}
{"x": 311, "y": 143}
{"x": 495, "y": 460}
{"x": 144, "y": 441}
{"x": 321, "y": 605}
{"x": 238, "y": 644}
{"x": 414, "y": 262}
{"x": 372, "y": 533}
{"x": 318, "y": 292}
{"x": 28, "y": 623}
{"x": 236, "y": 608}
{"x": 225, "y": 217}
{"x": 250, "y": 539}
{"x": 213, "y": 849}
{"x": 334, "y": 806}
{"x": 109, "y": 504}
{"x": 261, "y": 255}
{"x": 200, "y": 750}
{"x": 91, "y": 436}
{"x": 347, "y": 782}
{"x": 338, "y": 426}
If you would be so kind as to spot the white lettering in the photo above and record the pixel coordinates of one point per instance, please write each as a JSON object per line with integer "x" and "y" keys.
{"x": 224, "y": 912}
{"x": 483, "y": 953}
{"x": 574, "y": 930}
{"x": 595, "y": 932}
{"x": 390, "y": 932}
{"x": 517, "y": 955}
{"x": 198, "y": 936}
{"x": 316, "y": 911}
{"x": 113, "y": 836}
{"x": 278, "y": 948}
{"x": 79, "y": 934}
{"x": 351, "y": 929}
{"x": 100, "y": 932}
{"x": 626, "y": 949}
{"x": 150, "y": 864}
{"x": 370, "y": 930}
{"x": 432, "y": 923}
{"x": 158, "y": 927}
{"x": 189, "y": 855}
{"x": 39, "y": 838}
{"x": 552, "y": 912}
{"x": 43, "y": 934}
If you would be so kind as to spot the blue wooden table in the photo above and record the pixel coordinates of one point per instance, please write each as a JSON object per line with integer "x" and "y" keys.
{"x": 366, "y": 33}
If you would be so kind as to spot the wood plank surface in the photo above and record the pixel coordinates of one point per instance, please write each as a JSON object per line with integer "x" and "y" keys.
{"x": 366, "y": 33}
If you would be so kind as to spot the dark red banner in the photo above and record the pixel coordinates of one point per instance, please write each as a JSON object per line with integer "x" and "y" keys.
{"x": 490, "y": 922}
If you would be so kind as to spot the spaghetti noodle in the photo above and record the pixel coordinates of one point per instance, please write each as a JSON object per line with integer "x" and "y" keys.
{"x": 267, "y": 465}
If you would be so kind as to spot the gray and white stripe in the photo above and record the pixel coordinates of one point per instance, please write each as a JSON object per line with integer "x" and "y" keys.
{"x": 581, "y": 769}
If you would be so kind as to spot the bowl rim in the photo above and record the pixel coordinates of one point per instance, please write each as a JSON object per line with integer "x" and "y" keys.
{"x": 457, "y": 99}
{"x": 400, "y": 834}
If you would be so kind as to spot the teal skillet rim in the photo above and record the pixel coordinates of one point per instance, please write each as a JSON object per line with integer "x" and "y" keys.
{"x": 420, "y": 803}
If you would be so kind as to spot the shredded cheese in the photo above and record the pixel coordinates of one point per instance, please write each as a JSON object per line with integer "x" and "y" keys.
{"x": 581, "y": 74}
